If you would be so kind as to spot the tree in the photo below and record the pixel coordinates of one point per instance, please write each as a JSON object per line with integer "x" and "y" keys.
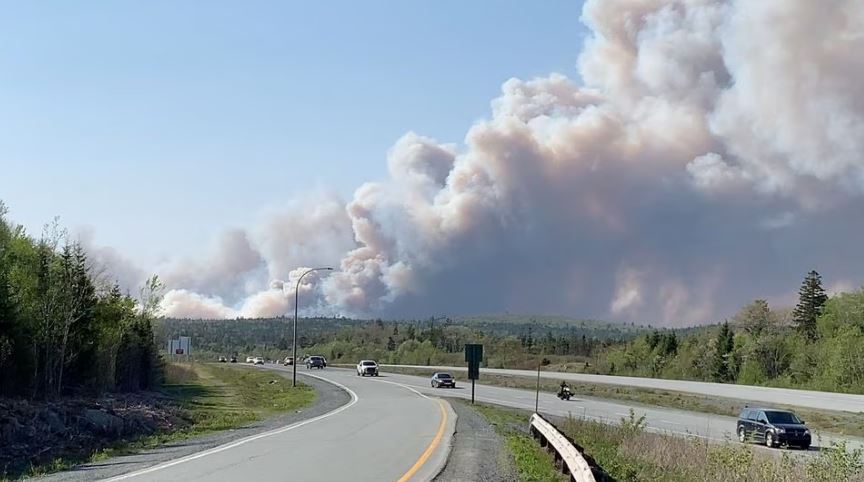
{"x": 811, "y": 302}
{"x": 391, "y": 343}
{"x": 721, "y": 369}
{"x": 755, "y": 318}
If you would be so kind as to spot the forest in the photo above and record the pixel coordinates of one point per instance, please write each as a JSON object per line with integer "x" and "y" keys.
{"x": 65, "y": 327}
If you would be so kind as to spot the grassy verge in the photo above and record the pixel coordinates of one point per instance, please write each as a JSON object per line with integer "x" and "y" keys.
{"x": 532, "y": 462}
{"x": 627, "y": 452}
{"x": 216, "y": 397}
{"x": 842, "y": 423}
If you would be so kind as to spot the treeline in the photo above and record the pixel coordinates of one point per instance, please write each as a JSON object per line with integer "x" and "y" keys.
{"x": 443, "y": 342}
{"x": 819, "y": 345}
{"x": 61, "y": 329}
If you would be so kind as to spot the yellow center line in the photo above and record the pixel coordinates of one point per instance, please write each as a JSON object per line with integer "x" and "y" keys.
{"x": 431, "y": 448}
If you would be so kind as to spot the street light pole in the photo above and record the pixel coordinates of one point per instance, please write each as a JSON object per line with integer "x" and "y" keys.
{"x": 296, "y": 304}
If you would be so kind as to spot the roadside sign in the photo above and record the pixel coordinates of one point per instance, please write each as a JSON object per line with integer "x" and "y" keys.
{"x": 473, "y": 356}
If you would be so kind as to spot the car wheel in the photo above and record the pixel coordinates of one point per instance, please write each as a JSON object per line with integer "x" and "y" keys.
{"x": 769, "y": 439}
{"x": 742, "y": 435}
{"x": 433, "y": 384}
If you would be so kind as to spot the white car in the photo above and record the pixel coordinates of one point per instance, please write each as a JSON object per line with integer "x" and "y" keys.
{"x": 258, "y": 360}
{"x": 367, "y": 367}
{"x": 249, "y": 359}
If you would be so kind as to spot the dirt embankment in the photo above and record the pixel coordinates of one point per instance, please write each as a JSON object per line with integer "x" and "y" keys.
{"x": 37, "y": 433}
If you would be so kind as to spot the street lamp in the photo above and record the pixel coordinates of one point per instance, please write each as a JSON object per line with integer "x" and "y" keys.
{"x": 296, "y": 296}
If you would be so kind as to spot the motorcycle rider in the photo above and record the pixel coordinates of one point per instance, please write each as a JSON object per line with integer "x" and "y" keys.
{"x": 563, "y": 387}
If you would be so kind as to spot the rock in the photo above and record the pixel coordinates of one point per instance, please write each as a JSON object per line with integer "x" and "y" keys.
{"x": 102, "y": 421}
{"x": 53, "y": 421}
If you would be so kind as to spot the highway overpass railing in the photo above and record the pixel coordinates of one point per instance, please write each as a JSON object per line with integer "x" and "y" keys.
{"x": 566, "y": 454}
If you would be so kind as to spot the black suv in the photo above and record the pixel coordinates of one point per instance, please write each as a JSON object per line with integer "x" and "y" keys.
{"x": 773, "y": 427}
{"x": 315, "y": 362}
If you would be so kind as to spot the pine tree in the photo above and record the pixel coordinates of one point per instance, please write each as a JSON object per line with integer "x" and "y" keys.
{"x": 811, "y": 302}
{"x": 391, "y": 343}
{"x": 725, "y": 343}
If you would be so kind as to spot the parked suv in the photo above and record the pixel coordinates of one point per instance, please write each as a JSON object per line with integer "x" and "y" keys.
{"x": 367, "y": 367}
{"x": 772, "y": 427}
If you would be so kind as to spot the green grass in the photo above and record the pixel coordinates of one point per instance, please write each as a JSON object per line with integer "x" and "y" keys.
{"x": 211, "y": 398}
{"x": 532, "y": 462}
{"x": 843, "y": 423}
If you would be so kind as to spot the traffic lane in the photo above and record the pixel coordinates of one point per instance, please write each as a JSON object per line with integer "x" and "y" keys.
{"x": 658, "y": 419}
{"x": 381, "y": 436}
{"x": 843, "y": 402}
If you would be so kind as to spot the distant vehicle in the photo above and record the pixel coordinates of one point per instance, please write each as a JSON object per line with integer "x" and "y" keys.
{"x": 249, "y": 359}
{"x": 289, "y": 360}
{"x": 322, "y": 357}
{"x": 222, "y": 359}
{"x": 440, "y": 380}
{"x": 257, "y": 361}
{"x": 367, "y": 367}
{"x": 773, "y": 428}
{"x": 234, "y": 359}
{"x": 315, "y": 362}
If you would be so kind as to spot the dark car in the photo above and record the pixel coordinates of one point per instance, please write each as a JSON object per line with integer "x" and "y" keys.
{"x": 440, "y": 380}
{"x": 773, "y": 428}
{"x": 315, "y": 362}
{"x": 234, "y": 359}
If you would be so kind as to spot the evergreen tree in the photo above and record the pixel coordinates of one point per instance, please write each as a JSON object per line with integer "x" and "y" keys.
{"x": 721, "y": 369}
{"x": 391, "y": 343}
{"x": 811, "y": 302}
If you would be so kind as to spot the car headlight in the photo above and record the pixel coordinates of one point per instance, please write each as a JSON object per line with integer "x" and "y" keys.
{"x": 780, "y": 430}
{"x": 806, "y": 432}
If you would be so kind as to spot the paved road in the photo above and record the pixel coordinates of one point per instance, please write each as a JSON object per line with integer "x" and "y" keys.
{"x": 679, "y": 422}
{"x": 387, "y": 432}
{"x": 784, "y": 396}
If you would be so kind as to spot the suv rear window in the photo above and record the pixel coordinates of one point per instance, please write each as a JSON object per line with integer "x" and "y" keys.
{"x": 745, "y": 414}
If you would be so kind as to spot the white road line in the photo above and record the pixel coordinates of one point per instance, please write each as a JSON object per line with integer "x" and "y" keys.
{"x": 252, "y": 438}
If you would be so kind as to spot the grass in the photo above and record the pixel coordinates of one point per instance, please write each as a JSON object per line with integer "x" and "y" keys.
{"x": 216, "y": 398}
{"x": 843, "y": 423}
{"x": 532, "y": 462}
{"x": 211, "y": 398}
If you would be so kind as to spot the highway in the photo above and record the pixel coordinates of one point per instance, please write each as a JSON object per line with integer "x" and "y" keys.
{"x": 663, "y": 420}
{"x": 842, "y": 402}
{"x": 386, "y": 432}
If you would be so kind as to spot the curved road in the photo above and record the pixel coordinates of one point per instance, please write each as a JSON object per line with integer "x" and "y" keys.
{"x": 843, "y": 402}
{"x": 386, "y": 432}
{"x": 664, "y": 420}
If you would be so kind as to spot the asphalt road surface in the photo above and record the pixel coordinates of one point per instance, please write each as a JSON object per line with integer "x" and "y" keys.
{"x": 386, "y": 432}
{"x": 842, "y": 402}
{"x": 678, "y": 422}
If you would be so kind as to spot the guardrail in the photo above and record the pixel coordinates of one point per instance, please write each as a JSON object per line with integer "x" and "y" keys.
{"x": 571, "y": 460}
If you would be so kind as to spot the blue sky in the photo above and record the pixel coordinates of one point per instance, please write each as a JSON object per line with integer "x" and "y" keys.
{"x": 160, "y": 123}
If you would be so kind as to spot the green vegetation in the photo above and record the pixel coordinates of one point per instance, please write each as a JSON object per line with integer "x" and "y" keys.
{"x": 818, "y": 347}
{"x": 532, "y": 462}
{"x": 63, "y": 329}
{"x": 627, "y": 452}
{"x": 213, "y": 397}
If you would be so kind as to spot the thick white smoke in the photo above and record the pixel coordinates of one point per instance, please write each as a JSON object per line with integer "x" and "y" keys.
{"x": 698, "y": 161}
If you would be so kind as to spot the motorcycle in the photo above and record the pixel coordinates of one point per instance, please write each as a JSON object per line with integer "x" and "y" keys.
{"x": 564, "y": 393}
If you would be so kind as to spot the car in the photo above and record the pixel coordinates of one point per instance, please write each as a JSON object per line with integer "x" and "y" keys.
{"x": 367, "y": 367}
{"x": 249, "y": 359}
{"x": 773, "y": 428}
{"x": 234, "y": 359}
{"x": 441, "y": 379}
{"x": 257, "y": 361}
{"x": 222, "y": 359}
{"x": 323, "y": 359}
{"x": 315, "y": 362}
{"x": 289, "y": 360}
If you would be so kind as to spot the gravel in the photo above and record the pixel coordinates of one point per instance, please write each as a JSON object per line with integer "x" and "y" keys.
{"x": 478, "y": 453}
{"x": 328, "y": 398}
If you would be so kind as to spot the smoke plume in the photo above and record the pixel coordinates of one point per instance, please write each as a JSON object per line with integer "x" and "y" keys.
{"x": 706, "y": 152}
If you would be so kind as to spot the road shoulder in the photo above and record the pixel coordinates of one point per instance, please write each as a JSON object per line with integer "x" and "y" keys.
{"x": 477, "y": 452}
{"x": 328, "y": 398}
